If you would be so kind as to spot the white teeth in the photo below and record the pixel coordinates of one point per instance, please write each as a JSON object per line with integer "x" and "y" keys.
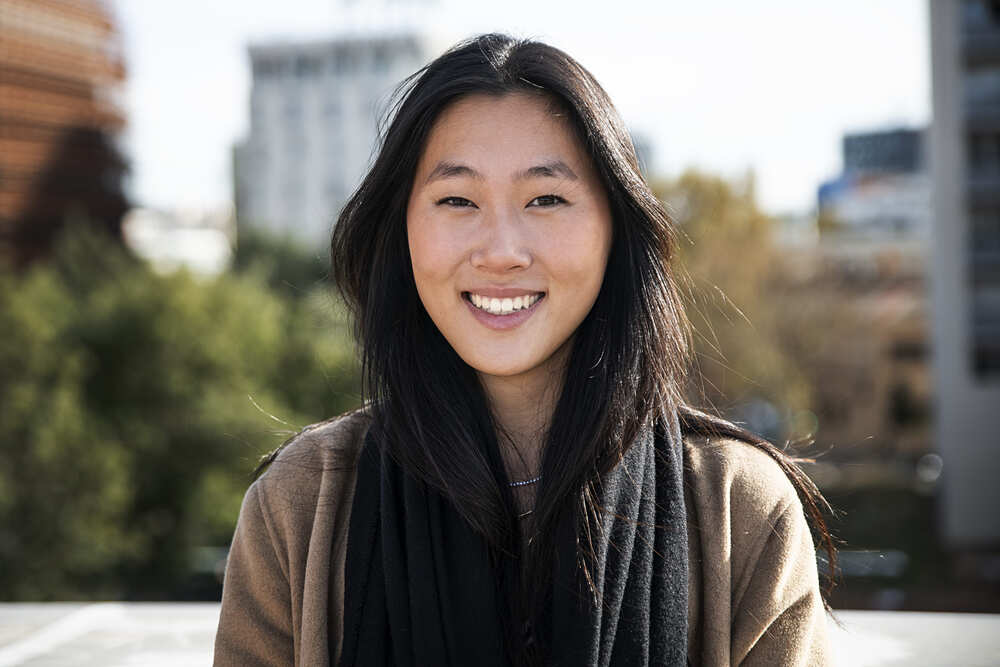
{"x": 506, "y": 306}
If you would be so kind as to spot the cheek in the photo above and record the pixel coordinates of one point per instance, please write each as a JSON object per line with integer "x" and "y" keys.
{"x": 420, "y": 235}
{"x": 582, "y": 255}
{"x": 433, "y": 255}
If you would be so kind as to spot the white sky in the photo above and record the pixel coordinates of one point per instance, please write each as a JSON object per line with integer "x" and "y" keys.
{"x": 724, "y": 85}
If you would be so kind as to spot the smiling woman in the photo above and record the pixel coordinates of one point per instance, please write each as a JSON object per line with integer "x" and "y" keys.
{"x": 507, "y": 235}
{"x": 509, "y": 229}
{"x": 526, "y": 484}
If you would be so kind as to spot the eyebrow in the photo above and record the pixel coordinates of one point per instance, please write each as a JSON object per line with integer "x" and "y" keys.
{"x": 551, "y": 169}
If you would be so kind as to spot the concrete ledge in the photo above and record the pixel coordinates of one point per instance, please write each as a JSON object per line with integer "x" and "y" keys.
{"x": 112, "y": 634}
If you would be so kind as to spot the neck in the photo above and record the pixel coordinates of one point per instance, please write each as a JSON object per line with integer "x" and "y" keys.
{"x": 522, "y": 406}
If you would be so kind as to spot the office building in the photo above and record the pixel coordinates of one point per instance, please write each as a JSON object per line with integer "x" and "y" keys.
{"x": 965, "y": 265}
{"x": 884, "y": 192}
{"x": 314, "y": 110}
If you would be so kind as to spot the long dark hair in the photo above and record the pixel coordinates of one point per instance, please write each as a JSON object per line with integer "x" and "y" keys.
{"x": 629, "y": 355}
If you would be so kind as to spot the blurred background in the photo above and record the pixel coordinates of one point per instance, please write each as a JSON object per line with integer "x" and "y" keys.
{"x": 169, "y": 175}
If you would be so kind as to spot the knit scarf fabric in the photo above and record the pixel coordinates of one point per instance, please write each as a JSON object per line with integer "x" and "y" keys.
{"x": 421, "y": 590}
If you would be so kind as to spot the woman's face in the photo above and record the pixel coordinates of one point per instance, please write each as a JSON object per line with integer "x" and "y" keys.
{"x": 509, "y": 231}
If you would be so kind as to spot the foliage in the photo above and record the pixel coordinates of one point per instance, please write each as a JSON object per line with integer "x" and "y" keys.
{"x": 781, "y": 342}
{"x": 288, "y": 267}
{"x": 726, "y": 258}
{"x": 130, "y": 424}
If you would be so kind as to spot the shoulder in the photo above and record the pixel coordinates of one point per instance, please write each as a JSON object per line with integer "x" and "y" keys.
{"x": 739, "y": 500}
{"x": 337, "y": 440}
{"x": 744, "y": 513}
{"x": 317, "y": 463}
{"x": 292, "y": 525}
{"x": 736, "y": 476}
{"x": 755, "y": 597}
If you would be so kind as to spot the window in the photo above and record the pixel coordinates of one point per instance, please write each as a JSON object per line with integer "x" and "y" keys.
{"x": 266, "y": 67}
{"x": 306, "y": 66}
{"x": 985, "y": 293}
{"x": 982, "y": 87}
{"x": 983, "y": 153}
{"x": 978, "y": 15}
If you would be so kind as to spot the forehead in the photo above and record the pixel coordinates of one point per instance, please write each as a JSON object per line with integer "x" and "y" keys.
{"x": 503, "y": 131}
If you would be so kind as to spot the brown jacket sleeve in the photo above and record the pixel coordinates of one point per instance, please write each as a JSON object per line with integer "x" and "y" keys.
{"x": 754, "y": 596}
{"x": 255, "y": 623}
{"x": 285, "y": 574}
{"x": 779, "y": 617}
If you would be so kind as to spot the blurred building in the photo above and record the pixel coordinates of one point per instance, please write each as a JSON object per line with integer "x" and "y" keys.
{"x": 884, "y": 191}
{"x": 965, "y": 294}
{"x": 866, "y": 259}
{"x": 870, "y": 368}
{"x": 200, "y": 241}
{"x": 61, "y": 77}
{"x": 314, "y": 110}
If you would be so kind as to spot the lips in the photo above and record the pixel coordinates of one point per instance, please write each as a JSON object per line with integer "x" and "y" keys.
{"x": 503, "y": 309}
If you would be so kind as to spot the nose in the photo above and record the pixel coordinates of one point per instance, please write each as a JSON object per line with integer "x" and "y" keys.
{"x": 502, "y": 245}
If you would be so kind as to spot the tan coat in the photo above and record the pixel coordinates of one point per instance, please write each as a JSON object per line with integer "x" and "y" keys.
{"x": 753, "y": 598}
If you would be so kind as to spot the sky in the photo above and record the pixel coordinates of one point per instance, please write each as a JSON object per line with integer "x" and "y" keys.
{"x": 725, "y": 86}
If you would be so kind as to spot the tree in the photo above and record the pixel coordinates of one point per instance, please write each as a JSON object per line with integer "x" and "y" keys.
{"x": 287, "y": 266}
{"x": 135, "y": 408}
{"x": 726, "y": 262}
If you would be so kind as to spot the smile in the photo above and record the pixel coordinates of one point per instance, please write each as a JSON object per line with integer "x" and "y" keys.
{"x": 504, "y": 306}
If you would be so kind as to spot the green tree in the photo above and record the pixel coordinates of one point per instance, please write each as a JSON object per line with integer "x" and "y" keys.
{"x": 135, "y": 407}
{"x": 287, "y": 266}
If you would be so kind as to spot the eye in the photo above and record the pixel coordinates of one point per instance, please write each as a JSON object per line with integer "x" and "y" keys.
{"x": 457, "y": 202}
{"x": 547, "y": 200}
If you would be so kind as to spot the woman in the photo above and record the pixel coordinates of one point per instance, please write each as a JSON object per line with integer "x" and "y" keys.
{"x": 525, "y": 484}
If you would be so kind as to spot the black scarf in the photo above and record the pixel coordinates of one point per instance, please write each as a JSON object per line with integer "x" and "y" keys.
{"x": 420, "y": 588}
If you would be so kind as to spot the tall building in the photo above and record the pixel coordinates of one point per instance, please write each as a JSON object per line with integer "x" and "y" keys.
{"x": 61, "y": 77}
{"x": 965, "y": 271}
{"x": 884, "y": 191}
{"x": 314, "y": 109}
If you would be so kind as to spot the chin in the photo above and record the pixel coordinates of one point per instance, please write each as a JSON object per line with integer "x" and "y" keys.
{"x": 500, "y": 370}
{"x": 499, "y": 363}
{"x": 511, "y": 360}
{"x": 512, "y": 365}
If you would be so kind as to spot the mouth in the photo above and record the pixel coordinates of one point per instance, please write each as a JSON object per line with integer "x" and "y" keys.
{"x": 503, "y": 306}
